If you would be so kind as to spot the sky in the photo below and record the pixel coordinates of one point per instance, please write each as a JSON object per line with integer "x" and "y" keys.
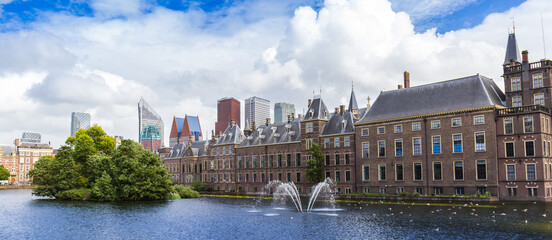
{"x": 101, "y": 56}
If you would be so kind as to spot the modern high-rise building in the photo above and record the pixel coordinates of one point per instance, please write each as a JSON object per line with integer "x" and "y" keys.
{"x": 227, "y": 109}
{"x": 185, "y": 130}
{"x": 79, "y": 120}
{"x": 30, "y": 137}
{"x": 151, "y": 128}
{"x": 257, "y": 110}
{"x": 282, "y": 110}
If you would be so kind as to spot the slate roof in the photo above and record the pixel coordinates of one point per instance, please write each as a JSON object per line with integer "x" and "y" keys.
{"x": 352, "y": 102}
{"x": 512, "y": 50}
{"x": 317, "y": 110}
{"x": 177, "y": 151}
{"x": 7, "y": 149}
{"x": 232, "y": 135}
{"x": 198, "y": 149}
{"x": 274, "y": 133}
{"x": 34, "y": 145}
{"x": 457, "y": 94}
{"x": 339, "y": 123}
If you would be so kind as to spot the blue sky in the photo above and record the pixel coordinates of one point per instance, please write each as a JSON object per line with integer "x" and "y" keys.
{"x": 19, "y": 14}
{"x": 102, "y": 56}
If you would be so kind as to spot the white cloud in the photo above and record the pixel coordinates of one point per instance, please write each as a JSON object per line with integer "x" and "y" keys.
{"x": 425, "y": 9}
{"x": 182, "y": 62}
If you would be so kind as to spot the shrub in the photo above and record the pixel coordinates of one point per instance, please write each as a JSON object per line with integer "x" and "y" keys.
{"x": 186, "y": 192}
{"x": 198, "y": 186}
{"x": 173, "y": 196}
{"x": 74, "y": 194}
{"x": 407, "y": 194}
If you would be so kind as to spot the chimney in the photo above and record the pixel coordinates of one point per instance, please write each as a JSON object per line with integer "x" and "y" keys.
{"x": 342, "y": 109}
{"x": 267, "y": 121}
{"x": 399, "y": 86}
{"x": 406, "y": 79}
{"x": 310, "y": 101}
{"x": 300, "y": 116}
{"x": 336, "y": 110}
{"x": 232, "y": 123}
{"x": 16, "y": 142}
{"x": 290, "y": 118}
{"x": 525, "y": 56}
{"x": 254, "y": 126}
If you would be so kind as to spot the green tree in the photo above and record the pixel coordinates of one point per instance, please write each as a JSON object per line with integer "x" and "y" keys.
{"x": 315, "y": 166}
{"x": 4, "y": 173}
{"x": 54, "y": 175}
{"x": 103, "y": 190}
{"x": 139, "y": 173}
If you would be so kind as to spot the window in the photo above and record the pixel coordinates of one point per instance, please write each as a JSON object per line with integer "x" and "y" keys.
{"x": 529, "y": 148}
{"x": 399, "y": 176}
{"x": 247, "y": 162}
{"x": 437, "y": 171}
{"x": 457, "y": 143}
{"x": 399, "y": 190}
{"x": 480, "y": 141}
{"x": 327, "y": 160}
{"x": 364, "y": 132}
{"x": 419, "y": 190}
{"x": 337, "y": 176}
{"x": 381, "y": 130}
{"x": 416, "y": 126}
{"x": 539, "y": 99}
{"x": 239, "y": 162}
{"x": 326, "y": 143}
{"x": 383, "y": 190}
{"x": 435, "y": 124}
{"x": 365, "y": 150}
{"x": 436, "y": 144}
{"x": 417, "y": 171}
{"x": 417, "y": 146}
{"x": 288, "y": 160}
{"x": 398, "y": 128}
{"x": 308, "y": 143}
{"x": 509, "y": 149}
{"x": 537, "y": 80}
{"x": 298, "y": 159}
{"x": 530, "y": 170}
{"x": 271, "y": 161}
{"x": 381, "y": 175}
{"x": 458, "y": 170}
{"x": 288, "y": 177}
{"x": 337, "y": 161}
{"x": 528, "y": 124}
{"x": 255, "y": 162}
{"x": 532, "y": 192}
{"x": 336, "y": 142}
{"x": 279, "y": 160}
{"x": 481, "y": 170}
{"x": 456, "y": 122}
{"x": 263, "y": 162}
{"x": 438, "y": 190}
{"x": 516, "y": 84}
{"x": 512, "y": 191}
{"x": 298, "y": 179}
{"x": 480, "y": 119}
{"x": 347, "y": 141}
{"x": 347, "y": 176}
{"x": 459, "y": 190}
{"x": 309, "y": 128}
{"x": 516, "y": 101}
{"x": 381, "y": 148}
{"x": 398, "y": 147}
{"x": 347, "y": 158}
{"x": 508, "y": 126}
{"x": 511, "y": 172}
{"x": 481, "y": 190}
{"x": 365, "y": 173}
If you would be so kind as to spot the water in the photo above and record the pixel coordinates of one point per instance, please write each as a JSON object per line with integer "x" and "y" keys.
{"x": 28, "y": 217}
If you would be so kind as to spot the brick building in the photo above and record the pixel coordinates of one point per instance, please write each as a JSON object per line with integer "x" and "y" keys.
{"x": 227, "y": 109}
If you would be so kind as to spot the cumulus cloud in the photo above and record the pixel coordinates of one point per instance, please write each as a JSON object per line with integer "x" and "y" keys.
{"x": 425, "y": 9}
{"x": 181, "y": 62}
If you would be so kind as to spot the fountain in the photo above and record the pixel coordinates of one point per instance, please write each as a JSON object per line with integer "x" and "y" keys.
{"x": 288, "y": 189}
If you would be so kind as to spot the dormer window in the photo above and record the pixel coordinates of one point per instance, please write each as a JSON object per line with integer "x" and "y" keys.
{"x": 273, "y": 129}
{"x": 310, "y": 113}
{"x": 343, "y": 124}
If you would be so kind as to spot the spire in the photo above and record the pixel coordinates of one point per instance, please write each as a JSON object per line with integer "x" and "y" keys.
{"x": 512, "y": 50}
{"x": 353, "y": 106}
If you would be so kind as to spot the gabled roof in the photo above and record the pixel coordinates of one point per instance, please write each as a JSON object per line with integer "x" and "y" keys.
{"x": 232, "y": 135}
{"x": 186, "y": 126}
{"x": 274, "y": 133}
{"x": 196, "y": 148}
{"x": 339, "y": 123}
{"x": 317, "y": 110}
{"x": 352, "y": 102}
{"x": 7, "y": 150}
{"x": 458, "y": 94}
{"x": 512, "y": 50}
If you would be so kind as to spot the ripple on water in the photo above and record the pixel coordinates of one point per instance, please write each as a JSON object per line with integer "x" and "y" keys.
{"x": 271, "y": 214}
{"x": 254, "y": 211}
{"x": 326, "y": 209}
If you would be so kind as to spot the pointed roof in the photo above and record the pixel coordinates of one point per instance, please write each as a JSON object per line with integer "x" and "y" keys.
{"x": 352, "y": 102}
{"x": 463, "y": 93}
{"x": 232, "y": 135}
{"x": 339, "y": 124}
{"x": 317, "y": 110}
{"x": 512, "y": 50}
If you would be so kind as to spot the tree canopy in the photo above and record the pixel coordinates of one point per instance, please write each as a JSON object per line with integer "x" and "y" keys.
{"x": 90, "y": 161}
{"x": 315, "y": 166}
{"x": 4, "y": 173}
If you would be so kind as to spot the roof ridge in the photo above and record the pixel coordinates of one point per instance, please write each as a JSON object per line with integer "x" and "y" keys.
{"x": 439, "y": 82}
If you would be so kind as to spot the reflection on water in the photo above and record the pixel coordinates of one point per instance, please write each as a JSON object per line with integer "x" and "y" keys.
{"x": 25, "y": 216}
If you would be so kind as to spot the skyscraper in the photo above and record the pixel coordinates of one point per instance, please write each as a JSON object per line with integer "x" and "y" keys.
{"x": 227, "y": 109}
{"x": 30, "y": 137}
{"x": 151, "y": 131}
{"x": 79, "y": 120}
{"x": 185, "y": 130}
{"x": 282, "y": 110}
{"x": 256, "y": 110}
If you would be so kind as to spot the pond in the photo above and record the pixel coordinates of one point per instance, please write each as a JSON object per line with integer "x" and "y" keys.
{"x": 29, "y": 217}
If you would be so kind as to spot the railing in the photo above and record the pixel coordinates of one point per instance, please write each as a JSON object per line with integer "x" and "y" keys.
{"x": 523, "y": 109}
{"x": 512, "y": 69}
{"x": 517, "y": 68}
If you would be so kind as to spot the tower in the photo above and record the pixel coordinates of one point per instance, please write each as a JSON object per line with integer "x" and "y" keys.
{"x": 228, "y": 109}
{"x": 79, "y": 120}
{"x": 257, "y": 110}
{"x": 147, "y": 117}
